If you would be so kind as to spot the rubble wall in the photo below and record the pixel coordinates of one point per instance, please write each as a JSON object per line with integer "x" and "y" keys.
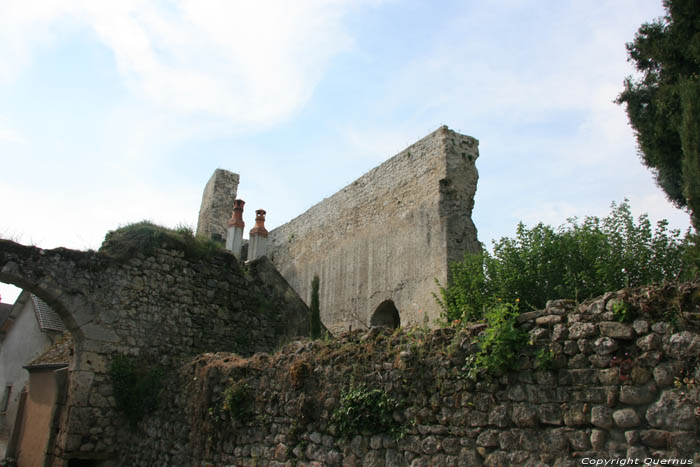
{"x": 608, "y": 390}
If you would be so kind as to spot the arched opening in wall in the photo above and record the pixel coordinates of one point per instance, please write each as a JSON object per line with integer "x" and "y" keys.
{"x": 386, "y": 315}
{"x": 38, "y": 340}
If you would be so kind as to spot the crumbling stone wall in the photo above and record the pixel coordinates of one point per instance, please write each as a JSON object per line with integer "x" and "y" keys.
{"x": 613, "y": 391}
{"x": 161, "y": 308}
{"x": 217, "y": 204}
{"x": 386, "y": 236}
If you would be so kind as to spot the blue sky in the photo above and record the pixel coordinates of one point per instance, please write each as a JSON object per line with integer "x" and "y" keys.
{"x": 114, "y": 112}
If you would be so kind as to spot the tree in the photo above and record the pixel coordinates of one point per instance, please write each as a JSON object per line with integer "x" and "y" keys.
{"x": 663, "y": 104}
{"x": 315, "y": 311}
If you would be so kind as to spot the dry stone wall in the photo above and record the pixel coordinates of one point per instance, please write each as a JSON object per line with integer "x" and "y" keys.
{"x": 160, "y": 307}
{"x": 611, "y": 391}
{"x": 386, "y": 236}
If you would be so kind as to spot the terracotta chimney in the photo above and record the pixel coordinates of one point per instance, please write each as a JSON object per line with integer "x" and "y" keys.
{"x": 258, "y": 237}
{"x": 234, "y": 235}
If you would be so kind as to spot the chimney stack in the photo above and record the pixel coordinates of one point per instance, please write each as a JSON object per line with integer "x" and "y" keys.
{"x": 258, "y": 237}
{"x": 234, "y": 235}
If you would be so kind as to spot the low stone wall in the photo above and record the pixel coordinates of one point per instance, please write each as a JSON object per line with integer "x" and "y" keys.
{"x": 614, "y": 391}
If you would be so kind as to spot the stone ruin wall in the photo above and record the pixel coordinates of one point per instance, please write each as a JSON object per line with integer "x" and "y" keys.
{"x": 386, "y": 236}
{"x": 160, "y": 307}
{"x": 217, "y": 204}
{"x": 613, "y": 391}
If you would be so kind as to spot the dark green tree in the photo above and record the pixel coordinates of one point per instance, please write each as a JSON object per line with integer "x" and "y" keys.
{"x": 315, "y": 309}
{"x": 663, "y": 104}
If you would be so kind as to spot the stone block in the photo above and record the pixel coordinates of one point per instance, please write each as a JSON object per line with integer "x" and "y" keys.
{"x": 626, "y": 418}
{"x": 616, "y": 330}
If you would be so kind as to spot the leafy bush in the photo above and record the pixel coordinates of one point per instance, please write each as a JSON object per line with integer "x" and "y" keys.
{"x": 136, "y": 386}
{"x": 237, "y": 400}
{"x": 365, "y": 410}
{"x": 578, "y": 260}
{"x": 499, "y": 345}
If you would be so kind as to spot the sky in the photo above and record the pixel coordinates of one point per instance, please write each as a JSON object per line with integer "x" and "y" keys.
{"x": 116, "y": 112}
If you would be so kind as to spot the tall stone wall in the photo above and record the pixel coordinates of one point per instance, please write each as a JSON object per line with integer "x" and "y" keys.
{"x": 387, "y": 236}
{"x": 587, "y": 389}
{"x": 217, "y": 204}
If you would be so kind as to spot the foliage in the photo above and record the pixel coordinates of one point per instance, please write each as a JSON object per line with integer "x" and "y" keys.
{"x": 315, "y": 310}
{"x": 577, "y": 260}
{"x": 143, "y": 237}
{"x": 365, "y": 410}
{"x": 663, "y": 105}
{"x": 500, "y": 344}
{"x": 544, "y": 358}
{"x": 136, "y": 386}
{"x": 237, "y": 400}
{"x": 623, "y": 312}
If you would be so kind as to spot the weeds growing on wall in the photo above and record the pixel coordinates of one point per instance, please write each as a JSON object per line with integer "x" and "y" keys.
{"x": 499, "y": 345}
{"x": 144, "y": 237}
{"x": 136, "y": 386}
{"x": 237, "y": 401}
{"x": 365, "y": 410}
{"x": 579, "y": 260}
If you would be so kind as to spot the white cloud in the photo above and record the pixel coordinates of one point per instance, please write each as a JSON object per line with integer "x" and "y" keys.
{"x": 250, "y": 62}
{"x": 9, "y": 135}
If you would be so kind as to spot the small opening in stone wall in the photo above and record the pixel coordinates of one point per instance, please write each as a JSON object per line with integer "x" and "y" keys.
{"x": 386, "y": 315}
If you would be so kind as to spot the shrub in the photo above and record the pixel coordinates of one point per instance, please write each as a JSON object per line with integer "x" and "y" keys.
{"x": 365, "y": 410}
{"x": 499, "y": 345}
{"x": 578, "y": 260}
{"x": 237, "y": 401}
{"x": 136, "y": 387}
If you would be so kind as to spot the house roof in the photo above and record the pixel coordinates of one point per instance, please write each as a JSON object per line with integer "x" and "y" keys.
{"x": 47, "y": 318}
{"x": 58, "y": 354}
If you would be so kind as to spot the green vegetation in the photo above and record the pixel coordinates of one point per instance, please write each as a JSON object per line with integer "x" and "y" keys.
{"x": 578, "y": 260}
{"x": 544, "y": 358}
{"x": 499, "y": 345}
{"x": 623, "y": 312}
{"x": 364, "y": 410}
{"x": 663, "y": 106}
{"x": 237, "y": 401}
{"x": 136, "y": 386}
{"x": 315, "y": 310}
{"x": 143, "y": 237}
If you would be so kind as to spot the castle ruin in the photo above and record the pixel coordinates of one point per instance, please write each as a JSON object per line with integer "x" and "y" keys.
{"x": 378, "y": 244}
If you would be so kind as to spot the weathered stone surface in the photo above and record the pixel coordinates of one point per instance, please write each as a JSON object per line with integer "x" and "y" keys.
{"x": 582, "y": 329}
{"x": 626, "y": 418}
{"x": 673, "y": 411}
{"x": 217, "y": 204}
{"x": 605, "y": 345}
{"x": 387, "y": 235}
{"x": 637, "y": 395}
{"x": 616, "y": 330}
{"x": 601, "y": 416}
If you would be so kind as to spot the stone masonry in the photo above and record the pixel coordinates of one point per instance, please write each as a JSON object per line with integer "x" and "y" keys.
{"x": 387, "y": 236}
{"x": 604, "y": 390}
{"x": 217, "y": 204}
{"x": 161, "y": 307}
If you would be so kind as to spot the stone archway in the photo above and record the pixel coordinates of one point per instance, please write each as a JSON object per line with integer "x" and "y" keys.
{"x": 386, "y": 315}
